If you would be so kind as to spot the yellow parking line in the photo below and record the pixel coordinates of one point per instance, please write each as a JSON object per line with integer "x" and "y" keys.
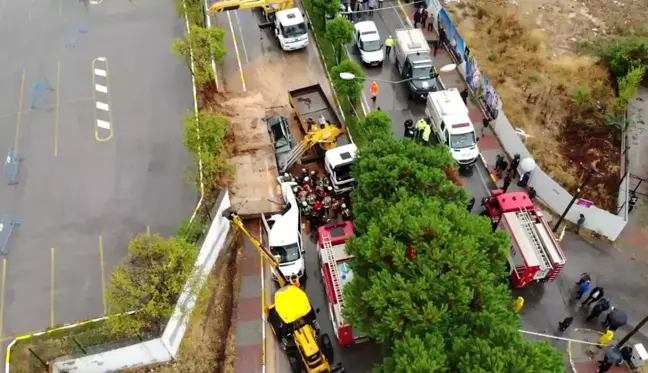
{"x": 236, "y": 51}
{"x": 52, "y": 291}
{"x": 2, "y": 294}
{"x": 58, "y": 104}
{"x": 103, "y": 275}
{"x": 20, "y": 105}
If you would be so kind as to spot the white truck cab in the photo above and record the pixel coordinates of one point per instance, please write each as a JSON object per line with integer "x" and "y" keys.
{"x": 448, "y": 116}
{"x": 284, "y": 236}
{"x": 338, "y": 162}
{"x": 290, "y": 29}
{"x": 368, "y": 42}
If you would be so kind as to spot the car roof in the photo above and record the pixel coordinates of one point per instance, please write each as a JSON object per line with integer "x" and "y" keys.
{"x": 290, "y": 17}
{"x": 367, "y": 26}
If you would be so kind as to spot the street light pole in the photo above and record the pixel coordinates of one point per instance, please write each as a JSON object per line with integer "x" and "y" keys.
{"x": 590, "y": 172}
{"x": 633, "y": 332}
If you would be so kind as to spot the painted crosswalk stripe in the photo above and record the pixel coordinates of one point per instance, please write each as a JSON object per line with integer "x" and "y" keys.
{"x": 103, "y": 124}
{"x": 101, "y": 88}
{"x": 102, "y": 106}
{"x": 100, "y": 72}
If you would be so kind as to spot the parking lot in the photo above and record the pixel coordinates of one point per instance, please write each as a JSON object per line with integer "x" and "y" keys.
{"x": 91, "y": 107}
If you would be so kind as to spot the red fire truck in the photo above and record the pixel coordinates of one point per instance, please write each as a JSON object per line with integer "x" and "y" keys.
{"x": 535, "y": 253}
{"x": 336, "y": 273}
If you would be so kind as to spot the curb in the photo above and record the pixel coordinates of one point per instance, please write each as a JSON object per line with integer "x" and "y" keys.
{"x": 569, "y": 351}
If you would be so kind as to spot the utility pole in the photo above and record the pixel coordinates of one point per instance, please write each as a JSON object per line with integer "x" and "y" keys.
{"x": 633, "y": 332}
{"x": 590, "y": 172}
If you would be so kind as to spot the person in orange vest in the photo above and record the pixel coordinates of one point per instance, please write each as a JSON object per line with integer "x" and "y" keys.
{"x": 374, "y": 90}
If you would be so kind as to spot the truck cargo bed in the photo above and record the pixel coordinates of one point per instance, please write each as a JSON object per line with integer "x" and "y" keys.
{"x": 311, "y": 102}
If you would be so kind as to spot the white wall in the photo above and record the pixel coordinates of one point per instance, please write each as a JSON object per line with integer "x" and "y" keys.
{"x": 166, "y": 347}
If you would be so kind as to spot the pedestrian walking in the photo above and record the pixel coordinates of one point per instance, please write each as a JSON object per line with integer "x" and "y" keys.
{"x": 420, "y": 127}
{"x": 418, "y": 16}
{"x": 464, "y": 96}
{"x": 424, "y": 18}
{"x": 606, "y": 338}
{"x": 373, "y": 90}
{"x": 580, "y": 222}
{"x": 371, "y": 5}
{"x": 507, "y": 182}
{"x": 532, "y": 193}
{"x": 584, "y": 277}
{"x": 600, "y": 307}
{"x": 515, "y": 162}
{"x": 430, "y": 27}
{"x": 582, "y": 289}
{"x": 518, "y": 304}
{"x": 426, "y": 133}
{"x": 471, "y": 204}
{"x": 380, "y": 4}
{"x": 594, "y": 296}
{"x": 563, "y": 325}
{"x": 441, "y": 41}
{"x": 632, "y": 202}
{"x": 349, "y": 13}
{"x": 389, "y": 43}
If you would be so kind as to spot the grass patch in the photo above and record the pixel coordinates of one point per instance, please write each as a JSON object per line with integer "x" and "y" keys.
{"x": 562, "y": 102}
{"x": 61, "y": 342}
{"x": 351, "y": 114}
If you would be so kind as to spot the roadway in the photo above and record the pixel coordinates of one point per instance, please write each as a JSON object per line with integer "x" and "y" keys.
{"x": 102, "y": 149}
{"x": 255, "y": 63}
{"x": 393, "y": 99}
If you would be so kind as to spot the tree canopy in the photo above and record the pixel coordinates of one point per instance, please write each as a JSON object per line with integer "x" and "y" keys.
{"x": 339, "y": 31}
{"x": 429, "y": 277}
{"x": 149, "y": 281}
{"x": 377, "y": 124}
{"x": 323, "y": 7}
{"x": 204, "y": 44}
{"x": 352, "y": 89}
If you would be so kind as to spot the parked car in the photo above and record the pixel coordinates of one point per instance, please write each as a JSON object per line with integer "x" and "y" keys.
{"x": 280, "y": 133}
{"x": 368, "y": 43}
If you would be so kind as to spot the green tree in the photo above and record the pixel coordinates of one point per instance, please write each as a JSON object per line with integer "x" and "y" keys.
{"x": 203, "y": 44}
{"x": 352, "y": 89}
{"x": 323, "y": 7}
{"x": 629, "y": 84}
{"x": 377, "y": 124}
{"x": 385, "y": 166}
{"x": 193, "y": 10}
{"x": 624, "y": 55}
{"x": 149, "y": 281}
{"x": 204, "y": 133}
{"x": 416, "y": 354}
{"x": 339, "y": 32}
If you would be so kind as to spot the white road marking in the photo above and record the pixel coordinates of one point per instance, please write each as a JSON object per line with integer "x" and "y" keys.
{"x": 236, "y": 50}
{"x": 238, "y": 25}
{"x": 100, "y": 72}
{"x": 103, "y": 124}
{"x": 399, "y": 16}
{"x": 101, "y": 88}
{"x": 481, "y": 178}
{"x": 102, "y": 106}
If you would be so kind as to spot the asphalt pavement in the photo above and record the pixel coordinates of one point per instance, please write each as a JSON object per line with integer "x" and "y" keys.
{"x": 393, "y": 98}
{"x": 92, "y": 102}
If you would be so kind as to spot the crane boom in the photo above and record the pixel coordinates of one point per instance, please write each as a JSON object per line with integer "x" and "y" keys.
{"x": 268, "y": 6}
{"x": 233, "y": 217}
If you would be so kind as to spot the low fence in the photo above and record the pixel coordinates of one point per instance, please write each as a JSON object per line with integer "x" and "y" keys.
{"x": 551, "y": 193}
{"x": 166, "y": 347}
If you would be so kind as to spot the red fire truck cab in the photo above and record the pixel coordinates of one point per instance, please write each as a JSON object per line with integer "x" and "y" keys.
{"x": 535, "y": 253}
{"x": 336, "y": 273}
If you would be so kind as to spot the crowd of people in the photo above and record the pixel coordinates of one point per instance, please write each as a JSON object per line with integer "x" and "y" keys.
{"x": 316, "y": 199}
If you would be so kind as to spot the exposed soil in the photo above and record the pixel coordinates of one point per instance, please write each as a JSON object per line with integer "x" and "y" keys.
{"x": 209, "y": 343}
{"x": 538, "y": 77}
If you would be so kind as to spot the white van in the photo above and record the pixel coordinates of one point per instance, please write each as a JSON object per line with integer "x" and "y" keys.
{"x": 284, "y": 235}
{"x": 448, "y": 116}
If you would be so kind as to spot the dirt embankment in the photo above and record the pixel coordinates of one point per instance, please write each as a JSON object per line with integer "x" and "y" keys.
{"x": 560, "y": 100}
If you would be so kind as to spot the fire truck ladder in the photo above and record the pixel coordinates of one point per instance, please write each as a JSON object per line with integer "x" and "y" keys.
{"x": 335, "y": 275}
{"x": 529, "y": 227}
